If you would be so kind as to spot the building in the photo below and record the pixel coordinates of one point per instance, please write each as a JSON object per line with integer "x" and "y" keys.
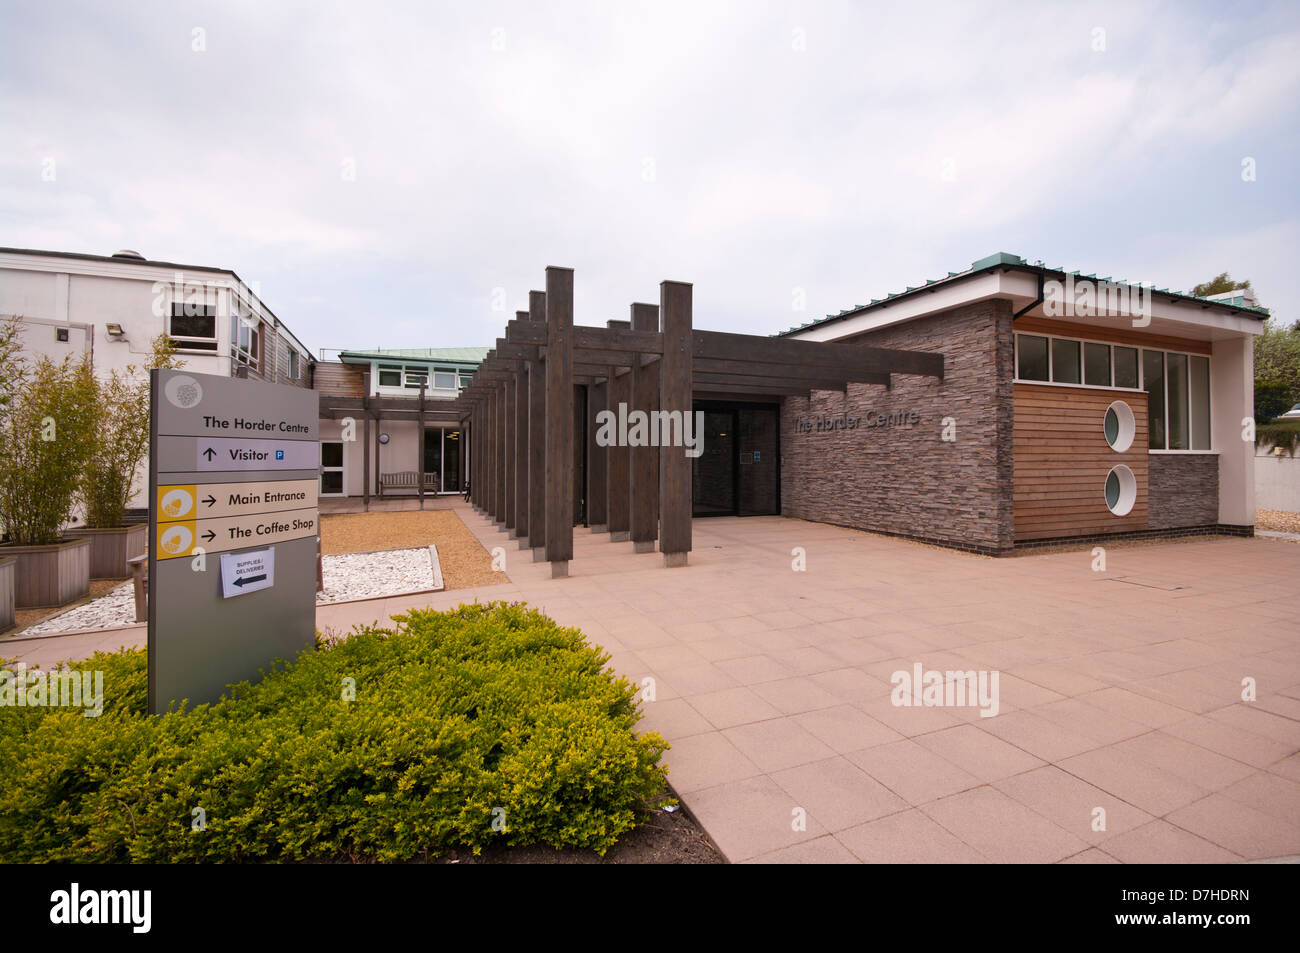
{"x": 111, "y": 307}
{"x": 1077, "y": 406}
{"x": 386, "y": 426}
{"x": 1006, "y": 406}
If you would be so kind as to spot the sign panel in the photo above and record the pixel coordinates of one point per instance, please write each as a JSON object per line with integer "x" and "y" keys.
{"x": 233, "y": 470}
{"x": 247, "y": 572}
{"x": 184, "y": 502}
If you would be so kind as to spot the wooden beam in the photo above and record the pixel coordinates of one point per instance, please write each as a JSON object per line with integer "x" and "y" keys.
{"x": 559, "y": 418}
{"x": 675, "y": 397}
{"x": 537, "y": 438}
{"x": 749, "y": 347}
{"x": 618, "y": 465}
{"x": 509, "y": 458}
{"x": 365, "y": 446}
{"x": 420, "y": 437}
{"x": 643, "y": 482}
{"x": 521, "y": 450}
{"x": 597, "y": 461}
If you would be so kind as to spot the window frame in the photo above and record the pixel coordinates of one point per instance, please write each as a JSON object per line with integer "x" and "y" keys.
{"x": 192, "y": 342}
{"x": 1140, "y": 389}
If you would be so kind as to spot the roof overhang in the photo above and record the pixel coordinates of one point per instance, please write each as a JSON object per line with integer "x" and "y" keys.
{"x": 1171, "y": 314}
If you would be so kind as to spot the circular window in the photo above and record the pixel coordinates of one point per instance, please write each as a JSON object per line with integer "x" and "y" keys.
{"x": 1119, "y": 426}
{"x": 1121, "y": 490}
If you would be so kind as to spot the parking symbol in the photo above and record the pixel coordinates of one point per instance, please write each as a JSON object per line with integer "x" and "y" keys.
{"x": 279, "y": 454}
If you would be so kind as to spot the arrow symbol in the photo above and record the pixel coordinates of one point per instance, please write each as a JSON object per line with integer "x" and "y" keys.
{"x": 209, "y": 453}
{"x": 209, "y": 536}
{"x": 211, "y": 500}
{"x": 245, "y": 580}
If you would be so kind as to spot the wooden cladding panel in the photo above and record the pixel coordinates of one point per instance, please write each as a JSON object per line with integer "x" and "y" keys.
{"x": 1062, "y": 458}
{"x": 335, "y": 379}
{"x": 1108, "y": 335}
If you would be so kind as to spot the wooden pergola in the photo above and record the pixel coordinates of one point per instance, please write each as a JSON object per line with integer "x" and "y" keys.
{"x": 524, "y": 413}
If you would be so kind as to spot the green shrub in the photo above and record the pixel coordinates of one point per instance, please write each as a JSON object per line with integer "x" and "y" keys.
{"x": 121, "y": 442}
{"x": 1283, "y": 433}
{"x": 1272, "y": 398}
{"x": 455, "y": 714}
{"x": 47, "y": 433}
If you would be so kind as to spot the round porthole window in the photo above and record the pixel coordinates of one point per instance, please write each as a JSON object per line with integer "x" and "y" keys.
{"x": 1119, "y": 426}
{"x": 1121, "y": 490}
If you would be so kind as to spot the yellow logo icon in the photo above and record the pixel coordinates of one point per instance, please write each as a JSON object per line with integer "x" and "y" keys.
{"x": 176, "y": 502}
{"x": 175, "y": 539}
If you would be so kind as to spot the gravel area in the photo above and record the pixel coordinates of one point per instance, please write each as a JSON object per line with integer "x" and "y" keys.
{"x": 465, "y": 563}
{"x": 370, "y": 575}
{"x": 108, "y": 611}
{"x": 1277, "y": 521}
{"x": 347, "y": 576}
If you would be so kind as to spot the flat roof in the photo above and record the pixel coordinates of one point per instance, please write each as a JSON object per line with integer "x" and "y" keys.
{"x": 154, "y": 263}
{"x": 451, "y": 355}
{"x": 1008, "y": 262}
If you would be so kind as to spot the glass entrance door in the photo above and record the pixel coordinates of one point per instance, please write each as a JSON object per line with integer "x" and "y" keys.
{"x": 442, "y": 457}
{"x": 738, "y": 472}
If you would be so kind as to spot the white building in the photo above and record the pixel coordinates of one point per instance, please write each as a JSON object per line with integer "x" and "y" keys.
{"x": 111, "y": 307}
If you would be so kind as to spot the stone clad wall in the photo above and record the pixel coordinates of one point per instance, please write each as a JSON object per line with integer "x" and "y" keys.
{"x": 885, "y": 468}
{"x": 1184, "y": 490}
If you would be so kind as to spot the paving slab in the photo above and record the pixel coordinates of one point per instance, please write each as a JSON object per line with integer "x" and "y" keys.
{"x": 1121, "y": 690}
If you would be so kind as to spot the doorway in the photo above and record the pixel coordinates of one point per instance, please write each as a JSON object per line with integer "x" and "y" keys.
{"x": 442, "y": 457}
{"x": 738, "y": 472}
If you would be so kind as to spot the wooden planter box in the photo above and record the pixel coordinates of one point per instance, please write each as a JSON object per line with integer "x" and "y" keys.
{"x": 7, "y": 567}
{"x": 51, "y": 575}
{"x": 112, "y": 549}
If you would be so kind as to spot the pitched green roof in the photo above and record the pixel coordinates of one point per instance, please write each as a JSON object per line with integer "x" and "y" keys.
{"x": 1007, "y": 259}
{"x": 455, "y": 355}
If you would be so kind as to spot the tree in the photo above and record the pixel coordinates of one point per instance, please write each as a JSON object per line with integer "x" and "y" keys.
{"x": 1277, "y": 370}
{"x": 122, "y": 437}
{"x": 47, "y": 433}
{"x": 1219, "y": 284}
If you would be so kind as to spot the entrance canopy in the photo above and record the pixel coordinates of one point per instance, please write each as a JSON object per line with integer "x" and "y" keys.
{"x": 547, "y": 381}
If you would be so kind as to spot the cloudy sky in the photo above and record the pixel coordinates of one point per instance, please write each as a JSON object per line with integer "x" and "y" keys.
{"x": 399, "y": 175}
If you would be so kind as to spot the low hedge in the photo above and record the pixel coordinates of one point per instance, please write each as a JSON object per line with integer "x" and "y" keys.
{"x": 461, "y": 718}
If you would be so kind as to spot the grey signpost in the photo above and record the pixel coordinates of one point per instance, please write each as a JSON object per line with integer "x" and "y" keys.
{"x": 233, "y": 482}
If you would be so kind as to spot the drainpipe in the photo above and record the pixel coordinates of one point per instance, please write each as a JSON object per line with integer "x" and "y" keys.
{"x": 1033, "y": 304}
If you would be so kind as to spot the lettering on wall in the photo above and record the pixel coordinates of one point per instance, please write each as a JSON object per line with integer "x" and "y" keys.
{"x": 872, "y": 420}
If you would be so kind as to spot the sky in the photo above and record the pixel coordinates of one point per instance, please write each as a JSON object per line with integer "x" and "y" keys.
{"x": 401, "y": 174}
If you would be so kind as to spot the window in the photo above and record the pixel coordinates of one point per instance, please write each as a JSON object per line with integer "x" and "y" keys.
{"x": 1176, "y": 369}
{"x": 1120, "y": 490}
{"x": 331, "y": 468}
{"x": 295, "y": 365}
{"x": 1065, "y": 361}
{"x": 1200, "y": 387}
{"x": 390, "y": 375}
{"x": 444, "y": 380}
{"x": 1119, "y": 426}
{"x": 1031, "y": 351}
{"x": 1177, "y": 384}
{"x": 1126, "y": 367}
{"x": 1096, "y": 365}
{"x": 415, "y": 376}
{"x": 1178, "y": 399}
{"x": 245, "y": 340}
{"x": 193, "y": 327}
{"x": 1153, "y": 378}
{"x": 465, "y": 378}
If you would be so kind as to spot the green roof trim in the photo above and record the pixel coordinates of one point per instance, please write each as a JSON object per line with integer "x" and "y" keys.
{"x": 451, "y": 355}
{"x": 1007, "y": 259}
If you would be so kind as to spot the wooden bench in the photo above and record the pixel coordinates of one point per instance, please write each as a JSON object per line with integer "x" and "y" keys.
{"x": 407, "y": 480}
